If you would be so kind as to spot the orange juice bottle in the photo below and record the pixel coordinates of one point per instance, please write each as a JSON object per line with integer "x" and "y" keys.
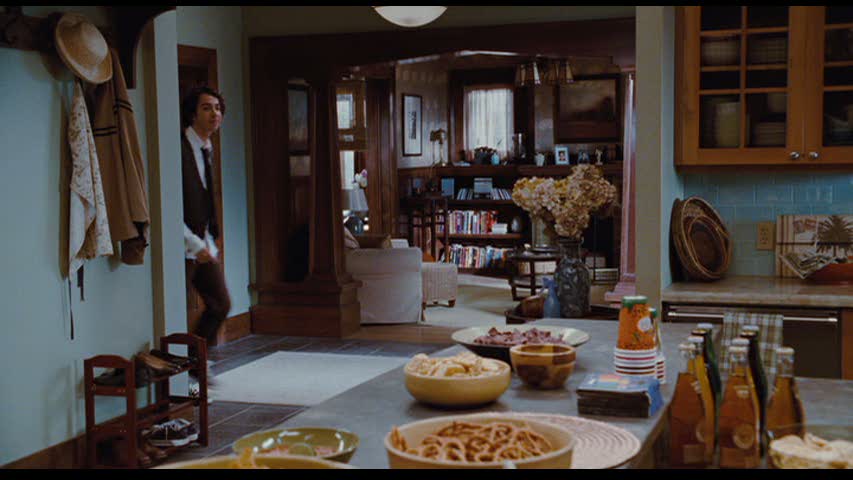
{"x": 686, "y": 414}
{"x": 739, "y": 416}
{"x": 785, "y": 414}
{"x": 707, "y": 395}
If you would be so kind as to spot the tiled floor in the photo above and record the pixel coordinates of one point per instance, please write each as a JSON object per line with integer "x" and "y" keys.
{"x": 229, "y": 421}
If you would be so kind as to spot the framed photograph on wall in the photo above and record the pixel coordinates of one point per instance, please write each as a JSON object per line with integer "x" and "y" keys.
{"x": 412, "y": 125}
{"x": 588, "y": 109}
{"x": 297, "y": 119}
{"x": 561, "y": 155}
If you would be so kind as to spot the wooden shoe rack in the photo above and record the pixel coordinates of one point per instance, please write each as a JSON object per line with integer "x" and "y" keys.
{"x": 130, "y": 425}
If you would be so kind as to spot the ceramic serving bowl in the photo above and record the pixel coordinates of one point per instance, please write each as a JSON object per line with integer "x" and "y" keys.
{"x": 545, "y": 366}
{"x": 466, "y": 336}
{"x": 818, "y": 446}
{"x": 296, "y": 462}
{"x": 299, "y": 441}
{"x": 561, "y": 439}
{"x": 459, "y": 391}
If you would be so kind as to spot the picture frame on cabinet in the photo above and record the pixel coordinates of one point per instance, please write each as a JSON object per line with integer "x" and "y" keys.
{"x": 561, "y": 155}
{"x": 412, "y": 125}
{"x": 588, "y": 109}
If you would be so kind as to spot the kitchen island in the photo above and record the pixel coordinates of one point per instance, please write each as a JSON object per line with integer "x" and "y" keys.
{"x": 372, "y": 408}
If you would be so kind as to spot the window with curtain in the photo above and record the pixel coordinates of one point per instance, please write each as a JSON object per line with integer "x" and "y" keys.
{"x": 489, "y": 118}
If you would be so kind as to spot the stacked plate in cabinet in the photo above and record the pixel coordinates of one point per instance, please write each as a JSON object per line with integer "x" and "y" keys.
{"x": 701, "y": 240}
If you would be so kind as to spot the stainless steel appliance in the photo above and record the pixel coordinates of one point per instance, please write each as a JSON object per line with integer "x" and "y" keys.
{"x": 814, "y": 334}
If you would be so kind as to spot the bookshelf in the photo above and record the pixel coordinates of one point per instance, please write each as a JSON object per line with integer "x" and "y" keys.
{"x": 504, "y": 177}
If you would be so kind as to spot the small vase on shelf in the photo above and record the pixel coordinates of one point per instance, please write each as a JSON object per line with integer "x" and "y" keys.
{"x": 551, "y": 309}
{"x": 572, "y": 279}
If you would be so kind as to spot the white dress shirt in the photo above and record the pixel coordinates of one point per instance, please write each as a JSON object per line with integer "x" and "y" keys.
{"x": 192, "y": 243}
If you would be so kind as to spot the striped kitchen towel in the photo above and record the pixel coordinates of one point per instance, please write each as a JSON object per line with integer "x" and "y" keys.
{"x": 769, "y": 337}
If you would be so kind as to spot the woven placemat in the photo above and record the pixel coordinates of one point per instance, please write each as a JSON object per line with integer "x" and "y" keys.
{"x": 597, "y": 444}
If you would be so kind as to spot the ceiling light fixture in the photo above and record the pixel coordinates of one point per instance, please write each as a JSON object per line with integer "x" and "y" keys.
{"x": 527, "y": 74}
{"x": 410, "y": 16}
{"x": 559, "y": 73}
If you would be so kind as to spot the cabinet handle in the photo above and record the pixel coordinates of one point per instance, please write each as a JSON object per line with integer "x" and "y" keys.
{"x": 814, "y": 155}
{"x": 795, "y": 156}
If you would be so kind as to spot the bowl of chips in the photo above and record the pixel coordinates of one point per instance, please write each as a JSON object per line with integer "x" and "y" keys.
{"x": 249, "y": 460}
{"x": 810, "y": 446}
{"x": 480, "y": 440}
{"x": 463, "y": 380}
{"x": 326, "y": 443}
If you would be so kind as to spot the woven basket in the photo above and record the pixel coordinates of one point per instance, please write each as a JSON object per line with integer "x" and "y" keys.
{"x": 701, "y": 239}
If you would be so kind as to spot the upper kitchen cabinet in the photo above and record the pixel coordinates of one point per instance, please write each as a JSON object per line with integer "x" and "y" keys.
{"x": 769, "y": 85}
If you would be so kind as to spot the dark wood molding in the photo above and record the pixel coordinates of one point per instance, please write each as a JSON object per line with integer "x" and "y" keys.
{"x": 36, "y": 33}
{"x": 847, "y": 344}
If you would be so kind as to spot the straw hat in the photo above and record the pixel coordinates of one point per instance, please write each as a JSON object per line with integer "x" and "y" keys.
{"x": 83, "y": 49}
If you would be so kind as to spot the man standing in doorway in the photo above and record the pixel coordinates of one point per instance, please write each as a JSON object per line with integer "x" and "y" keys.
{"x": 202, "y": 111}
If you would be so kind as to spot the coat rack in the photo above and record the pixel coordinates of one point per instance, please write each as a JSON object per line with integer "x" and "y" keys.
{"x": 36, "y": 33}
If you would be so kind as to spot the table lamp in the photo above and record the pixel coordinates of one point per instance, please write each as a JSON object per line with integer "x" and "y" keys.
{"x": 355, "y": 201}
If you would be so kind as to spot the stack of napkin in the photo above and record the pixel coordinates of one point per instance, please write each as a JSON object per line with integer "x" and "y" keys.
{"x": 619, "y": 395}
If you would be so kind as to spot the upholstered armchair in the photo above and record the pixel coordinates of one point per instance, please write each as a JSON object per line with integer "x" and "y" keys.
{"x": 391, "y": 290}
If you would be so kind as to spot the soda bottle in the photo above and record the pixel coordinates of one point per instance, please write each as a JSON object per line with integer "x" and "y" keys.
{"x": 785, "y": 414}
{"x": 686, "y": 414}
{"x": 739, "y": 418}
{"x": 708, "y": 406}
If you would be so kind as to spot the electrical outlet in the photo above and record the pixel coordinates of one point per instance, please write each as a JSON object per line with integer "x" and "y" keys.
{"x": 766, "y": 231}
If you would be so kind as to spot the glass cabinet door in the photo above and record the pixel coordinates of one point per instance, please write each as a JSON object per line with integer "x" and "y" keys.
{"x": 740, "y": 72}
{"x": 830, "y": 125}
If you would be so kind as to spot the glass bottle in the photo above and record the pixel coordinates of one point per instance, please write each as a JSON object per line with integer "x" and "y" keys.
{"x": 739, "y": 420}
{"x": 708, "y": 406}
{"x": 785, "y": 414}
{"x": 711, "y": 360}
{"x": 686, "y": 414}
{"x": 750, "y": 332}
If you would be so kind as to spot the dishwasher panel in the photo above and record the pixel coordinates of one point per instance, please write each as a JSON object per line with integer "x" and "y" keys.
{"x": 814, "y": 334}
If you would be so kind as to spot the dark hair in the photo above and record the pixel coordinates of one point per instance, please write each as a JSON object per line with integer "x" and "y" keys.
{"x": 189, "y": 104}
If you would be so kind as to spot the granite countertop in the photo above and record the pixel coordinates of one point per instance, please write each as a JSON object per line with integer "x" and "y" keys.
{"x": 770, "y": 291}
{"x": 372, "y": 408}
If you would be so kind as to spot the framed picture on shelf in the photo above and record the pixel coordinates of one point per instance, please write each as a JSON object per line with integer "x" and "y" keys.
{"x": 588, "y": 110}
{"x": 561, "y": 155}
{"x": 412, "y": 125}
{"x": 297, "y": 119}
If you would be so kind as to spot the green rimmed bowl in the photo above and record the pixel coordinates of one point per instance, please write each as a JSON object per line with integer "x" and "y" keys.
{"x": 342, "y": 442}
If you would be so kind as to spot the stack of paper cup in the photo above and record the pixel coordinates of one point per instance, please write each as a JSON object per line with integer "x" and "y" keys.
{"x": 660, "y": 368}
{"x": 642, "y": 363}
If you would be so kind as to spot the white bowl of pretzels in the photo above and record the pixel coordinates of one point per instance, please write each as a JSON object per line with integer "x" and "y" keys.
{"x": 463, "y": 380}
{"x": 480, "y": 440}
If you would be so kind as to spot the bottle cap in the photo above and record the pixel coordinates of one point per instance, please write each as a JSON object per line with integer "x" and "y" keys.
{"x": 740, "y": 342}
{"x": 653, "y": 312}
{"x": 706, "y": 326}
{"x": 737, "y": 350}
{"x": 784, "y": 351}
{"x": 687, "y": 347}
{"x": 631, "y": 300}
{"x": 750, "y": 328}
{"x": 695, "y": 339}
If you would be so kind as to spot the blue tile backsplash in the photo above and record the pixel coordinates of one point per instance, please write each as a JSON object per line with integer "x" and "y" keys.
{"x": 744, "y": 199}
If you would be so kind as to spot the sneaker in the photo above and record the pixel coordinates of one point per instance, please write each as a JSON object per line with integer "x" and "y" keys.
{"x": 167, "y": 434}
{"x": 186, "y": 426}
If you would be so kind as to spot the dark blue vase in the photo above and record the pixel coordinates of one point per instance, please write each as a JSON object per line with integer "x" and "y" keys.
{"x": 572, "y": 279}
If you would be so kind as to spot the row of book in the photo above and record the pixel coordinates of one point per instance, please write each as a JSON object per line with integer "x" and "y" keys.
{"x": 471, "y": 221}
{"x": 478, "y": 257}
{"x": 493, "y": 194}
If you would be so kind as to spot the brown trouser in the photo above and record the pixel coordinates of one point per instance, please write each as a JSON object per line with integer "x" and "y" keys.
{"x": 209, "y": 281}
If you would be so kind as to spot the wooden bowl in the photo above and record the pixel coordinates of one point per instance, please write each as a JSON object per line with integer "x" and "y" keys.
{"x": 834, "y": 273}
{"x": 545, "y": 366}
{"x": 459, "y": 391}
{"x": 561, "y": 439}
{"x": 342, "y": 443}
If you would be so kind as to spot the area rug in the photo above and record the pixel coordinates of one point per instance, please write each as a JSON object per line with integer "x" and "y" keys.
{"x": 475, "y": 305}
{"x": 295, "y": 378}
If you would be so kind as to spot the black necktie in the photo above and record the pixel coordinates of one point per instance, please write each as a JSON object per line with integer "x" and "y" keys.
{"x": 208, "y": 180}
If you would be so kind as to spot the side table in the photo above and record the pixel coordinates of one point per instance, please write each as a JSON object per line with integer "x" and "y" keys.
{"x": 531, "y": 280}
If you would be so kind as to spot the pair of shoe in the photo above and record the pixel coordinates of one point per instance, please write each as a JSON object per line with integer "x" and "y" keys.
{"x": 156, "y": 364}
{"x": 114, "y": 377}
{"x": 173, "y": 433}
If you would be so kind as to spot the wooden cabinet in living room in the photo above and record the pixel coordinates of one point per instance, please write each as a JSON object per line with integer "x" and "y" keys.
{"x": 769, "y": 85}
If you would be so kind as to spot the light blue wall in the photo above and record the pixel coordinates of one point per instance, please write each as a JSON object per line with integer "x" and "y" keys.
{"x": 744, "y": 199}
{"x": 126, "y": 307}
{"x": 41, "y": 395}
{"x": 221, "y": 28}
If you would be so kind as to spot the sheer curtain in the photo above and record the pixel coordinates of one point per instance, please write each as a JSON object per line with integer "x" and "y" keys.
{"x": 489, "y": 118}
